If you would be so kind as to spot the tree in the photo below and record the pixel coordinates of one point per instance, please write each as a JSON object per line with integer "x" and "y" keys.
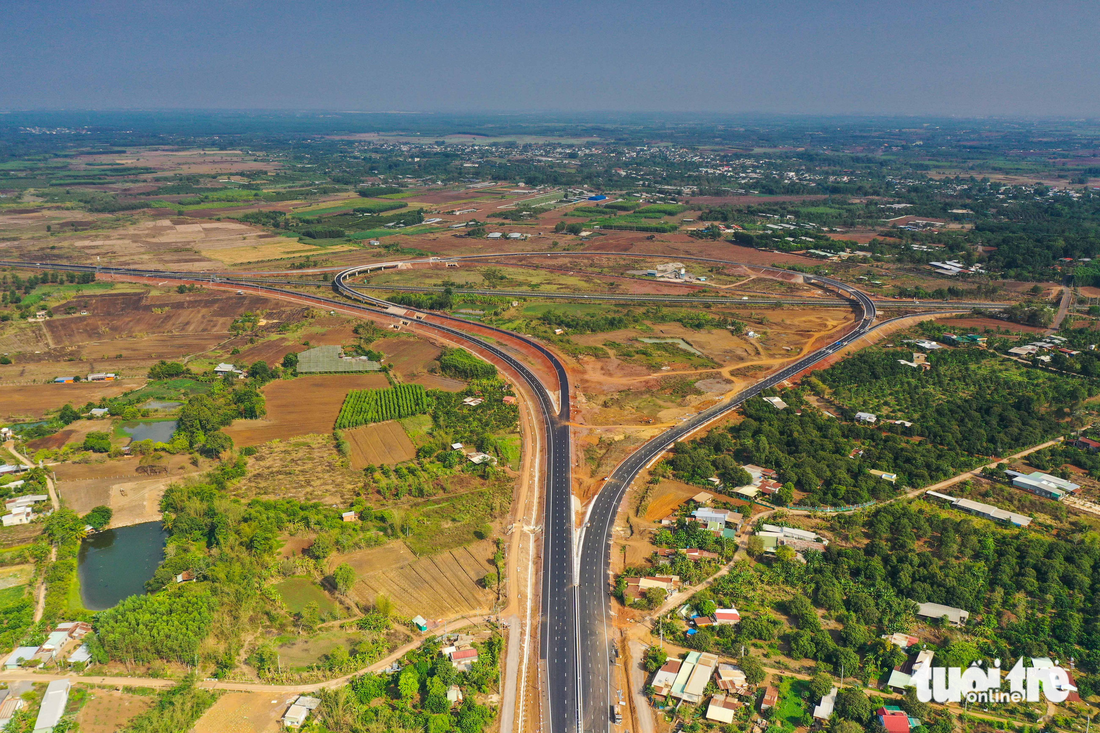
{"x": 310, "y": 617}
{"x": 654, "y": 658}
{"x": 753, "y": 669}
{"x": 68, "y": 414}
{"x": 97, "y": 442}
{"x": 215, "y": 444}
{"x": 345, "y": 577}
{"x": 260, "y": 371}
{"x": 491, "y": 580}
{"x": 853, "y": 704}
{"x": 839, "y": 725}
{"x": 99, "y": 517}
{"x": 784, "y": 554}
{"x": 322, "y": 547}
{"x": 755, "y": 546}
{"x": 408, "y": 683}
{"x": 802, "y": 645}
{"x": 290, "y": 361}
{"x": 786, "y": 494}
{"x": 821, "y": 684}
{"x": 383, "y": 605}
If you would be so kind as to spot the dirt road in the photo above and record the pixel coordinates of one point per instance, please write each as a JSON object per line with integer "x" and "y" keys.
{"x": 40, "y": 591}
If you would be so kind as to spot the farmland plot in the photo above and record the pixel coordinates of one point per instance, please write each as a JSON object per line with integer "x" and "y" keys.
{"x": 440, "y": 586}
{"x": 373, "y": 445}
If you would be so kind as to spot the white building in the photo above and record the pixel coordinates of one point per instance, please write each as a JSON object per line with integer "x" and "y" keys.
{"x": 53, "y": 706}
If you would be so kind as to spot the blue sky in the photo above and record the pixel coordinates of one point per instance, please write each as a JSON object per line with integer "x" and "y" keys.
{"x": 965, "y": 58}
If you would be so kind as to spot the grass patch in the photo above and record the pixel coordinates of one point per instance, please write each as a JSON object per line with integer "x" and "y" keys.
{"x": 168, "y": 390}
{"x": 510, "y": 450}
{"x": 792, "y": 705}
{"x": 444, "y": 523}
{"x": 417, "y": 427}
{"x": 10, "y": 596}
{"x": 301, "y": 653}
{"x": 299, "y": 591}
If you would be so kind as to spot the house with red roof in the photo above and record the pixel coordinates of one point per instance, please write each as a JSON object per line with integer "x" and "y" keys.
{"x": 896, "y": 720}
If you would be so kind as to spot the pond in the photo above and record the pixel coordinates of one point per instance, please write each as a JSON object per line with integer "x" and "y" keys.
{"x": 159, "y": 431}
{"x": 161, "y": 405}
{"x": 115, "y": 564}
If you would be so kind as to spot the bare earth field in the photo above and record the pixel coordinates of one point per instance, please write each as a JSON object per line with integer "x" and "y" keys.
{"x": 373, "y": 445}
{"x": 245, "y": 712}
{"x": 133, "y": 497}
{"x": 441, "y": 586}
{"x": 301, "y": 406}
{"x": 408, "y": 356}
{"x": 307, "y": 468}
{"x": 32, "y": 401}
{"x": 434, "y": 381}
{"x": 108, "y": 711}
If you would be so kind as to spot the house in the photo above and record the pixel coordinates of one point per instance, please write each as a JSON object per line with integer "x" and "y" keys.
{"x": 866, "y": 417}
{"x": 9, "y": 707}
{"x": 20, "y": 515}
{"x": 82, "y": 655}
{"x": 895, "y": 720}
{"x": 824, "y": 709}
{"x": 53, "y": 706}
{"x": 776, "y": 402}
{"x": 722, "y": 709}
{"x": 1086, "y": 444}
{"x": 955, "y": 616}
{"x": 456, "y": 446}
{"x": 480, "y": 458}
{"x": 186, "y": 576}
{"x": 902, "y": 677}
{"x": 775, "y": 536}
{"x": 636, "y": 587}
{"x": 664, "y": 677}
{"x": 454, "y": 695}
{"x": 1027, "y": 350}
{"x": 891, "y": 477}
{"x": 472, "y": 401}
{"x": 54, "y": 641}
{"x": 99, "y": 412}
{"x": 64, "y": 380}
{"x": 420, "y": 623}
{"x": 692, "y": 679}
{"x": 24, "y": 501}
{"x": 988, "y": 511}
{"x": 903, "y": 641}
{"x": 295, "y": 716}
{"x": 1043, "y": 484}
{"x": 102, "y": 377}
{"x": 350, "y": 516}
{"x": 770, "y": 698}
{"x": 495, "y": 235}
{"x": 716, "y": 520}
{"x": 702, "y": 498}
{"x": 509, "y": 399}
{"x": 463, "y": 659}
{"x": 730, "y": 678}
{"x": 726, "y": 616}
{"x": 224, "y": 370}
{"x": 21, "y": 654}
{"x": 691, "y": 553}
{"x": 75, "y": 629}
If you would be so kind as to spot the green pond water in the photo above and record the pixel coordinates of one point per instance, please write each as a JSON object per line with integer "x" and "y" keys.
{"x": 115, "y": 564}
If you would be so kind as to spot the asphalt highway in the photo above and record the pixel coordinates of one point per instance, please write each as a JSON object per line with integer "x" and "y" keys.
{"x": 575, "y": 644}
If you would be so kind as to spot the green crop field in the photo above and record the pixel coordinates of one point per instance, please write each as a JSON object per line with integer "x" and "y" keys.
{"x": 363, "y": 406}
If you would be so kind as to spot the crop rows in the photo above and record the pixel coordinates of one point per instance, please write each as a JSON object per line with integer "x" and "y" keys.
{"x": 363, "y": 406}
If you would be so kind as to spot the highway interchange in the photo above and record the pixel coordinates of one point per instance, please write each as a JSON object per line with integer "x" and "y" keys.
{"x": 575, "y": 643}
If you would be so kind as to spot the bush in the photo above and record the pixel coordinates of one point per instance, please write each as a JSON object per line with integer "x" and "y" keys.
{"x": 97, "y": 442}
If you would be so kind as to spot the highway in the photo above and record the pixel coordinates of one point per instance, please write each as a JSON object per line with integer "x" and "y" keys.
{"x": 595, "y": 552}
{"x": 575, "y": 614}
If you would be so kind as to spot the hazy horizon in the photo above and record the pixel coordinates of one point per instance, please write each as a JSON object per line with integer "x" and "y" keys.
{"x": 796, "y": 58}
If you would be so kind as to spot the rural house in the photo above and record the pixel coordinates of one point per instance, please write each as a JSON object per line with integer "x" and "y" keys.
{"x": 664, "y": 678}
{"x": 295, "y": 716}
{"x": 722, "y": 709}
{"x": 824, "y": 709}
{"x": 462, "y": 659}
{"x": 775, "y": 536}
{"x": 895, "y": 720}
{"x": 954, "y": 616}
{"x": 770, "y": 698}
{"x": 53, "y": 706}
{"x": 636, "y": 587}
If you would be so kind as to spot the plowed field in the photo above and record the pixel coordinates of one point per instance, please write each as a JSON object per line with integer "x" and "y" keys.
{"x": 301, "y": 406}
{"x": 441, "y": 586}
{"x": 33, "y": 400}
{"x": 384, "y": 442}
{"x": 408, "y": 356}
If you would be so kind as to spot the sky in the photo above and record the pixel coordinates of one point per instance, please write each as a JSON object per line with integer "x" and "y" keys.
{"x": 961, "y": 58}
